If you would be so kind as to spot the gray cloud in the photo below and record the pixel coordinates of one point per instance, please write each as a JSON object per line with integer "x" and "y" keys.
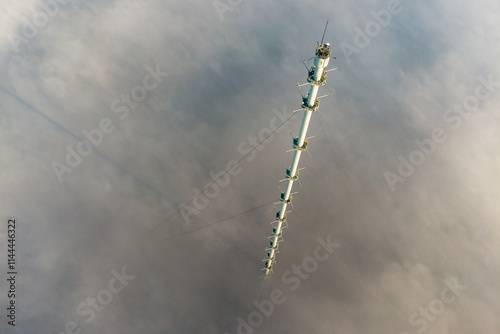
{"x": 225, "y": 78}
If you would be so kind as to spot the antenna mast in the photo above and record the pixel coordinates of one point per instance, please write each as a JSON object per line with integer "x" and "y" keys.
{"x": 316, "y": 77}
{"x": 324, "y": 32}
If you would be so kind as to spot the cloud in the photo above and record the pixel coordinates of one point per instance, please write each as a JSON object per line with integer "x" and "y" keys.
{"x": 397, "y": 249}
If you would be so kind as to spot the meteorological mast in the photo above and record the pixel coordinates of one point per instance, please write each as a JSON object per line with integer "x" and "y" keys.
{"x": 310, "y": 103}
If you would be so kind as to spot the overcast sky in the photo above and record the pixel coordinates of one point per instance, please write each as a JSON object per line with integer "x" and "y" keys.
{"x": 406, "y": 182}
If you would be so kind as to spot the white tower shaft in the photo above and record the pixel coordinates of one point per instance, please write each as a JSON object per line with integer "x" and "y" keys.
{"x": 310, "y": 103}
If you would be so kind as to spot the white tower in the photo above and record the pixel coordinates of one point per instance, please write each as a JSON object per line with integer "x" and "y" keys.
{"x": 316, "y": 77}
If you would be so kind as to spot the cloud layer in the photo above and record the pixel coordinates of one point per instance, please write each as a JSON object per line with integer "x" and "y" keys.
{"x": 401, "y": 242}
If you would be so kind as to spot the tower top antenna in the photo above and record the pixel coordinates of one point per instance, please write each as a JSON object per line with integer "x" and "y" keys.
{"x": 324, "y": 32}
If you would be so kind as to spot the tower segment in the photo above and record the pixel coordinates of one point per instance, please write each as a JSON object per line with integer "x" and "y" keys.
{"x": 316, "y": 77}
